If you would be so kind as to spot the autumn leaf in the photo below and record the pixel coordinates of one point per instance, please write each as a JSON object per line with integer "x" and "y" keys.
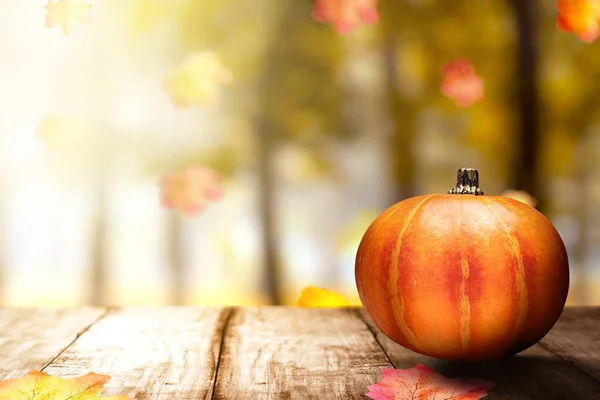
{"x": 42, "y": 386}
{"x": 521, "y": 196}
{"x": 197, "y": 80}
{"x": 55, "y": 130}
{"x": 423, "y": 383}
{"x": 316, "y": 297}
{"x": 189, "y": 190}
{"x": 346, "y": 15}
{"x": 67, "y": 14}
{"x": 581, "y": 17}
{"x": 461, "y": 83}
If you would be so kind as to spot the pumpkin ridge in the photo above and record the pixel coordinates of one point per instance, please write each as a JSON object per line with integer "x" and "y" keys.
{"x": 520, "y": 273}
{"x": 396, "y": 300}
{"x": 465, "y": 306}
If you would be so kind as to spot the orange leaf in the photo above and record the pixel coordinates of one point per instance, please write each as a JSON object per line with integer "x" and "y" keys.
{"x": 581, "y": 17}
{"x": 42, "y": 386}
{"x": 521, "y": 196}
{"x": 462, "y": 84}
{"x": 67, "y": 13}
{"x": 346, "y": 15}
{"x": 316, "y": 297}
{"x": 423, "y": 383}
{"x": 189, "y": 190}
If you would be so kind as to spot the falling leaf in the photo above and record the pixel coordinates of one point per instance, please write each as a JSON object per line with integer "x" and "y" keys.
{"x": 521, "y": 196}
{"x": 54, "y": 130}
{"x": 67, "y": 14}
{"x": 423, "y": 383}
{"x": 316, "y": 297}
{"x": 42, "y": 386}
{"x": 198, "y": 80}
{"x": 346, "y": 15}
{"x": 191, "y": 189}
{"x": 581, "y": 17}
{"x": 462, "y": 84}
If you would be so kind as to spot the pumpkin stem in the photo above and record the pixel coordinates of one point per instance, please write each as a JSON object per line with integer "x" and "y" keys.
{"x": 467, "y": 182}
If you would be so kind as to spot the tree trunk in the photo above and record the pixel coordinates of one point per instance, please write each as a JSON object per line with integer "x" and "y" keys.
{"x": 403, "y": 117}
{"x": 266, "y": 180}
{"x": 526, "y": 175}
{"x": 266, "y": 195}
{"x": 98, "y": 275}
{"x": 175, "y": 234}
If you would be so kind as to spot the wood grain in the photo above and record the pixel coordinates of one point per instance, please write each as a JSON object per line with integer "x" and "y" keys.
{"x": 30, "y": 338}
{"x": 298, "y": 353}
{"x": 150, "y": 353}
{"x": 576, "y": 338}
{"x": 533, "y": 374}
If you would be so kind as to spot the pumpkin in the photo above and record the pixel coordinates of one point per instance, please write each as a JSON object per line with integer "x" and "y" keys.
{"x": 462, "y": 275}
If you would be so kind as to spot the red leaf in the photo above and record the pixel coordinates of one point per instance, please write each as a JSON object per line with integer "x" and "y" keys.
{"x": 346, "y": 15}
{"x": 422, "y": 383}
{"x": 462, "y": 84}
{"x": 190, "y": 189}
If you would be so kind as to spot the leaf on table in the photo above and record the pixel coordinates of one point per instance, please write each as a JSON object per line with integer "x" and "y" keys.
{"x": 41, "y": 386}
{"x": 190, "y": 189}
{"x": 461, "y": 83}
{"x": 67, "y": 14}
{"x": 423, "y": 383}
{"x": 198, "y": 80}
{"x": 521, "y": 196}
{"x": 581, "y": 17}
{"x": 346, "y": 15}
{"x": 316, "y": 297}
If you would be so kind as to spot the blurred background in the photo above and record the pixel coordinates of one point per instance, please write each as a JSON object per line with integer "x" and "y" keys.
{"x": 314, "y": 134}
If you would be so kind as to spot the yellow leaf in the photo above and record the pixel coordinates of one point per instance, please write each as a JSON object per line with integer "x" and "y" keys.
{"x": 198, "y": 80}
{"x": 521, "y": 196}
{"x": 67, "y": 13}
{"x": 316, "y": 297}
{"x": 42, "y": 386}
{"x": 55, "y": 130}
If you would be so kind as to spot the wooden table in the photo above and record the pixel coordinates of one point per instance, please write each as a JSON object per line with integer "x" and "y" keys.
{"x": 272, "y": 353}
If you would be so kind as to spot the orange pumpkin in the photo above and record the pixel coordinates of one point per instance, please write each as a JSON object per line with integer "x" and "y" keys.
{"x": 463, "y": 276}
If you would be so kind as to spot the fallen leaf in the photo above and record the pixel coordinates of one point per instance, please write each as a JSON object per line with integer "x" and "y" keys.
{"x": 581, "y": 17}
{"x": 316, "y": 297}
{"x": 346, "y": 15}
{"x": 461, "y": 83}
{"x": 423, "y": 383}
{"x": 191, "y": 189}
{"x": 521, "y": 196}
{"x": 42, "y": 386}
{"x": 197, "y": 80}
{"x": 67, "y": 14}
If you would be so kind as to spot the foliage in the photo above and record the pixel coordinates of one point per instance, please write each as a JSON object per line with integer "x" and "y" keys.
{"x": 316, "y": 297}
{"x": 42, "y": 386}
{"x": 198, "y": 80}
{"x": 421, "y": 382}
{"x": 581, "y": 17}
{"x": 346, "y": 15}
{"x": 462, "y": 84}
{"x": 66, "y": 14}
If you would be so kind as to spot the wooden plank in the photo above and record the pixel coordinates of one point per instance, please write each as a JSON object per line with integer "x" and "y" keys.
{"x": 576, "y": 338}
{"x": 150, "y": 353}
{"x": 30, "y": 338}
{"x": 298, "y": 353}
{"x": 535, "y": 373}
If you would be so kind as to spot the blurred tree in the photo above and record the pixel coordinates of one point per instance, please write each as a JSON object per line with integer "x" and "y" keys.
{"x": 286, "y": 61}
{"x": 526, "y": 175}
{"x": 403, "y": 112}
